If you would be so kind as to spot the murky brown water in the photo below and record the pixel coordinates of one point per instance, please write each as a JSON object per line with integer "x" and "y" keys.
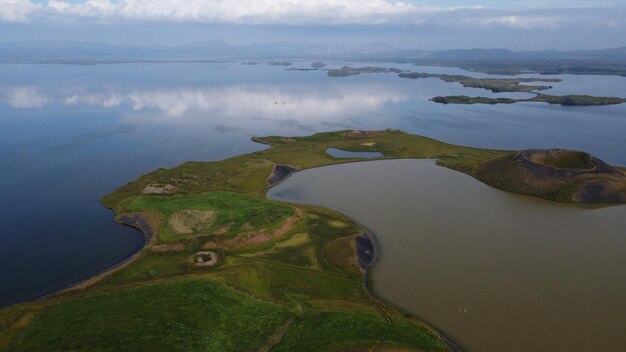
{"x": 495, "y": 271}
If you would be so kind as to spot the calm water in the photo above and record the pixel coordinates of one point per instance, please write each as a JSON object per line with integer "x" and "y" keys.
{"x": 495, "y": 271}
{"x": 71, "y": 134}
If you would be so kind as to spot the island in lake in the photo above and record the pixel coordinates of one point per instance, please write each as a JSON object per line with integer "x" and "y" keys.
{"x": 230, "y": 270}
{"x": 566, "y": 100}
{"x": 495, "y": 85}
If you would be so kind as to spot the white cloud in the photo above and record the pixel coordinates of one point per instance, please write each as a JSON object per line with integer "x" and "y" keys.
{"x": 232, "y": 103}
{"x": 242, "y": 11}
{"x": 227, "y": 11}
{"x": 241, "y": 101}
{"x": 521, "y": 21}
{"x": 319, "y": 12}
{"x": 16, "y": 10}
{"x": 25, "y": 97}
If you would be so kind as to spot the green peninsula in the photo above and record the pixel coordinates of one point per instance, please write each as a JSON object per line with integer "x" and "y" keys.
{"x": 225, "y": 269}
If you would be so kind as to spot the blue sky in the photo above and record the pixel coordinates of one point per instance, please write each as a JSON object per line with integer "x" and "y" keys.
{"x": 429, "y": 24}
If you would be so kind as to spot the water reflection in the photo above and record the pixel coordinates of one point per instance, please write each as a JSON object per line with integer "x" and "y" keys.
{"x": 261, "y": 101}
{"x": 70, "y": 134}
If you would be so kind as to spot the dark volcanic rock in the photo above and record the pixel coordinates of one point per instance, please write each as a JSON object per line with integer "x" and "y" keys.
{"x": 440, "y": 100}
{"x": 599, "y": 192}
{"x": 279, "y": 173}
{"x": 365, "y": 251}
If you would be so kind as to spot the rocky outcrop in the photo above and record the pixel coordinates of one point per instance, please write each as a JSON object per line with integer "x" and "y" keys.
{"x": 279, "y": 173}
{"x": 560, "y": 175}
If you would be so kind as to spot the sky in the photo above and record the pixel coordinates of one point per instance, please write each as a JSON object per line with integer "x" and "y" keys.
{"x": 409, "y": 24}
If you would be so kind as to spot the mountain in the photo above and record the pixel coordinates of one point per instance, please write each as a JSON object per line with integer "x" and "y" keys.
{"x": 505, "y": 54}
{"x": 474, "y": 54}
{"x": 50, "y": 51}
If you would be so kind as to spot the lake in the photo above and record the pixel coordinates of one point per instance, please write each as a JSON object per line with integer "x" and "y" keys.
{"x": 494, "y": 270}
{"x": 70, "y": 134}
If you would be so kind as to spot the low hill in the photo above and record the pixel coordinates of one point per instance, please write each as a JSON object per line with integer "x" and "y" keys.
{"x": 557, "y": 174}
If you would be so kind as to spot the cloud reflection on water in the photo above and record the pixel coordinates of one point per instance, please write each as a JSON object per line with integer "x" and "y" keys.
{"x": 282, "y": 102}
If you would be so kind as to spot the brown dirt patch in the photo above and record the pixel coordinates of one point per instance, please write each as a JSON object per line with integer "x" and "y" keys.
{"x": 276, "y": 336}
{"x": 252, "y": 239}
{"x": 360, "y": 134}
{"x": 342, "y": 252}
{"x": 166, "y": 248}
{"x": 159, "y": 189}
{"x": 190, "y": 221}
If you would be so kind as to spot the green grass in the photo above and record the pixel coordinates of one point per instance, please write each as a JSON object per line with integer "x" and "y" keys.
{"x": 234, "y": 211}
{"x": 163, "y": 302}
{"x": 182, "y": 315}
{"x": 153, "y": 266}
{"x": 324, "y": 331}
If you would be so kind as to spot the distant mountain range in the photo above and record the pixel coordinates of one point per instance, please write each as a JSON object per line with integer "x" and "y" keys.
{"x": 47, "y": 51}
{"x": 505, "y": 54}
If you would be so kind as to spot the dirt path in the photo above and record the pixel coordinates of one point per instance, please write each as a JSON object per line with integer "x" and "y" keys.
{"x": 276, "y": 336}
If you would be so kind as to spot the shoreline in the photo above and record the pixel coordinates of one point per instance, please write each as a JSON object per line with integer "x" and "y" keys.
{"x": 369, "y": 286}
{"x": 141, "y": 226}
{"x": 374, "y": 244}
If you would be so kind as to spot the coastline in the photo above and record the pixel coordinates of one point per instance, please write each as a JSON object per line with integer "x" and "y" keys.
{"x": 368, "y": 264}
{"x": 136, "y": 222}
{"x": 398, "y": 147}
{"x": 368, "y": 282}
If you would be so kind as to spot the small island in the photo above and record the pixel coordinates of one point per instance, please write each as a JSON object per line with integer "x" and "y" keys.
{"x": 495, "y": 85}
{"x": 280, "y": 63}
{"x": 352, "y": 71}
{"x": 233, "y": 271}
{"x": 566, "y": 100}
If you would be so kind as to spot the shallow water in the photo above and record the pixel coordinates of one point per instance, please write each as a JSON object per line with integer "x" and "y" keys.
{"x": 495, "y": 271}
{"x": 70, "y": 134}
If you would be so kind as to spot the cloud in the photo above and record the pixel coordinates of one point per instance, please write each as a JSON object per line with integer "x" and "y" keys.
{"x": 290, "y": 12}
{"x": 25, "y": 97}
{"x": 521, "y": 22}
{"x": 242, "y": 11}
{"x": 293, "y": 101}
{"x": 244, "y": 101}
{"x": 16, "y": 10}
{"x": 319, "y": 12}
